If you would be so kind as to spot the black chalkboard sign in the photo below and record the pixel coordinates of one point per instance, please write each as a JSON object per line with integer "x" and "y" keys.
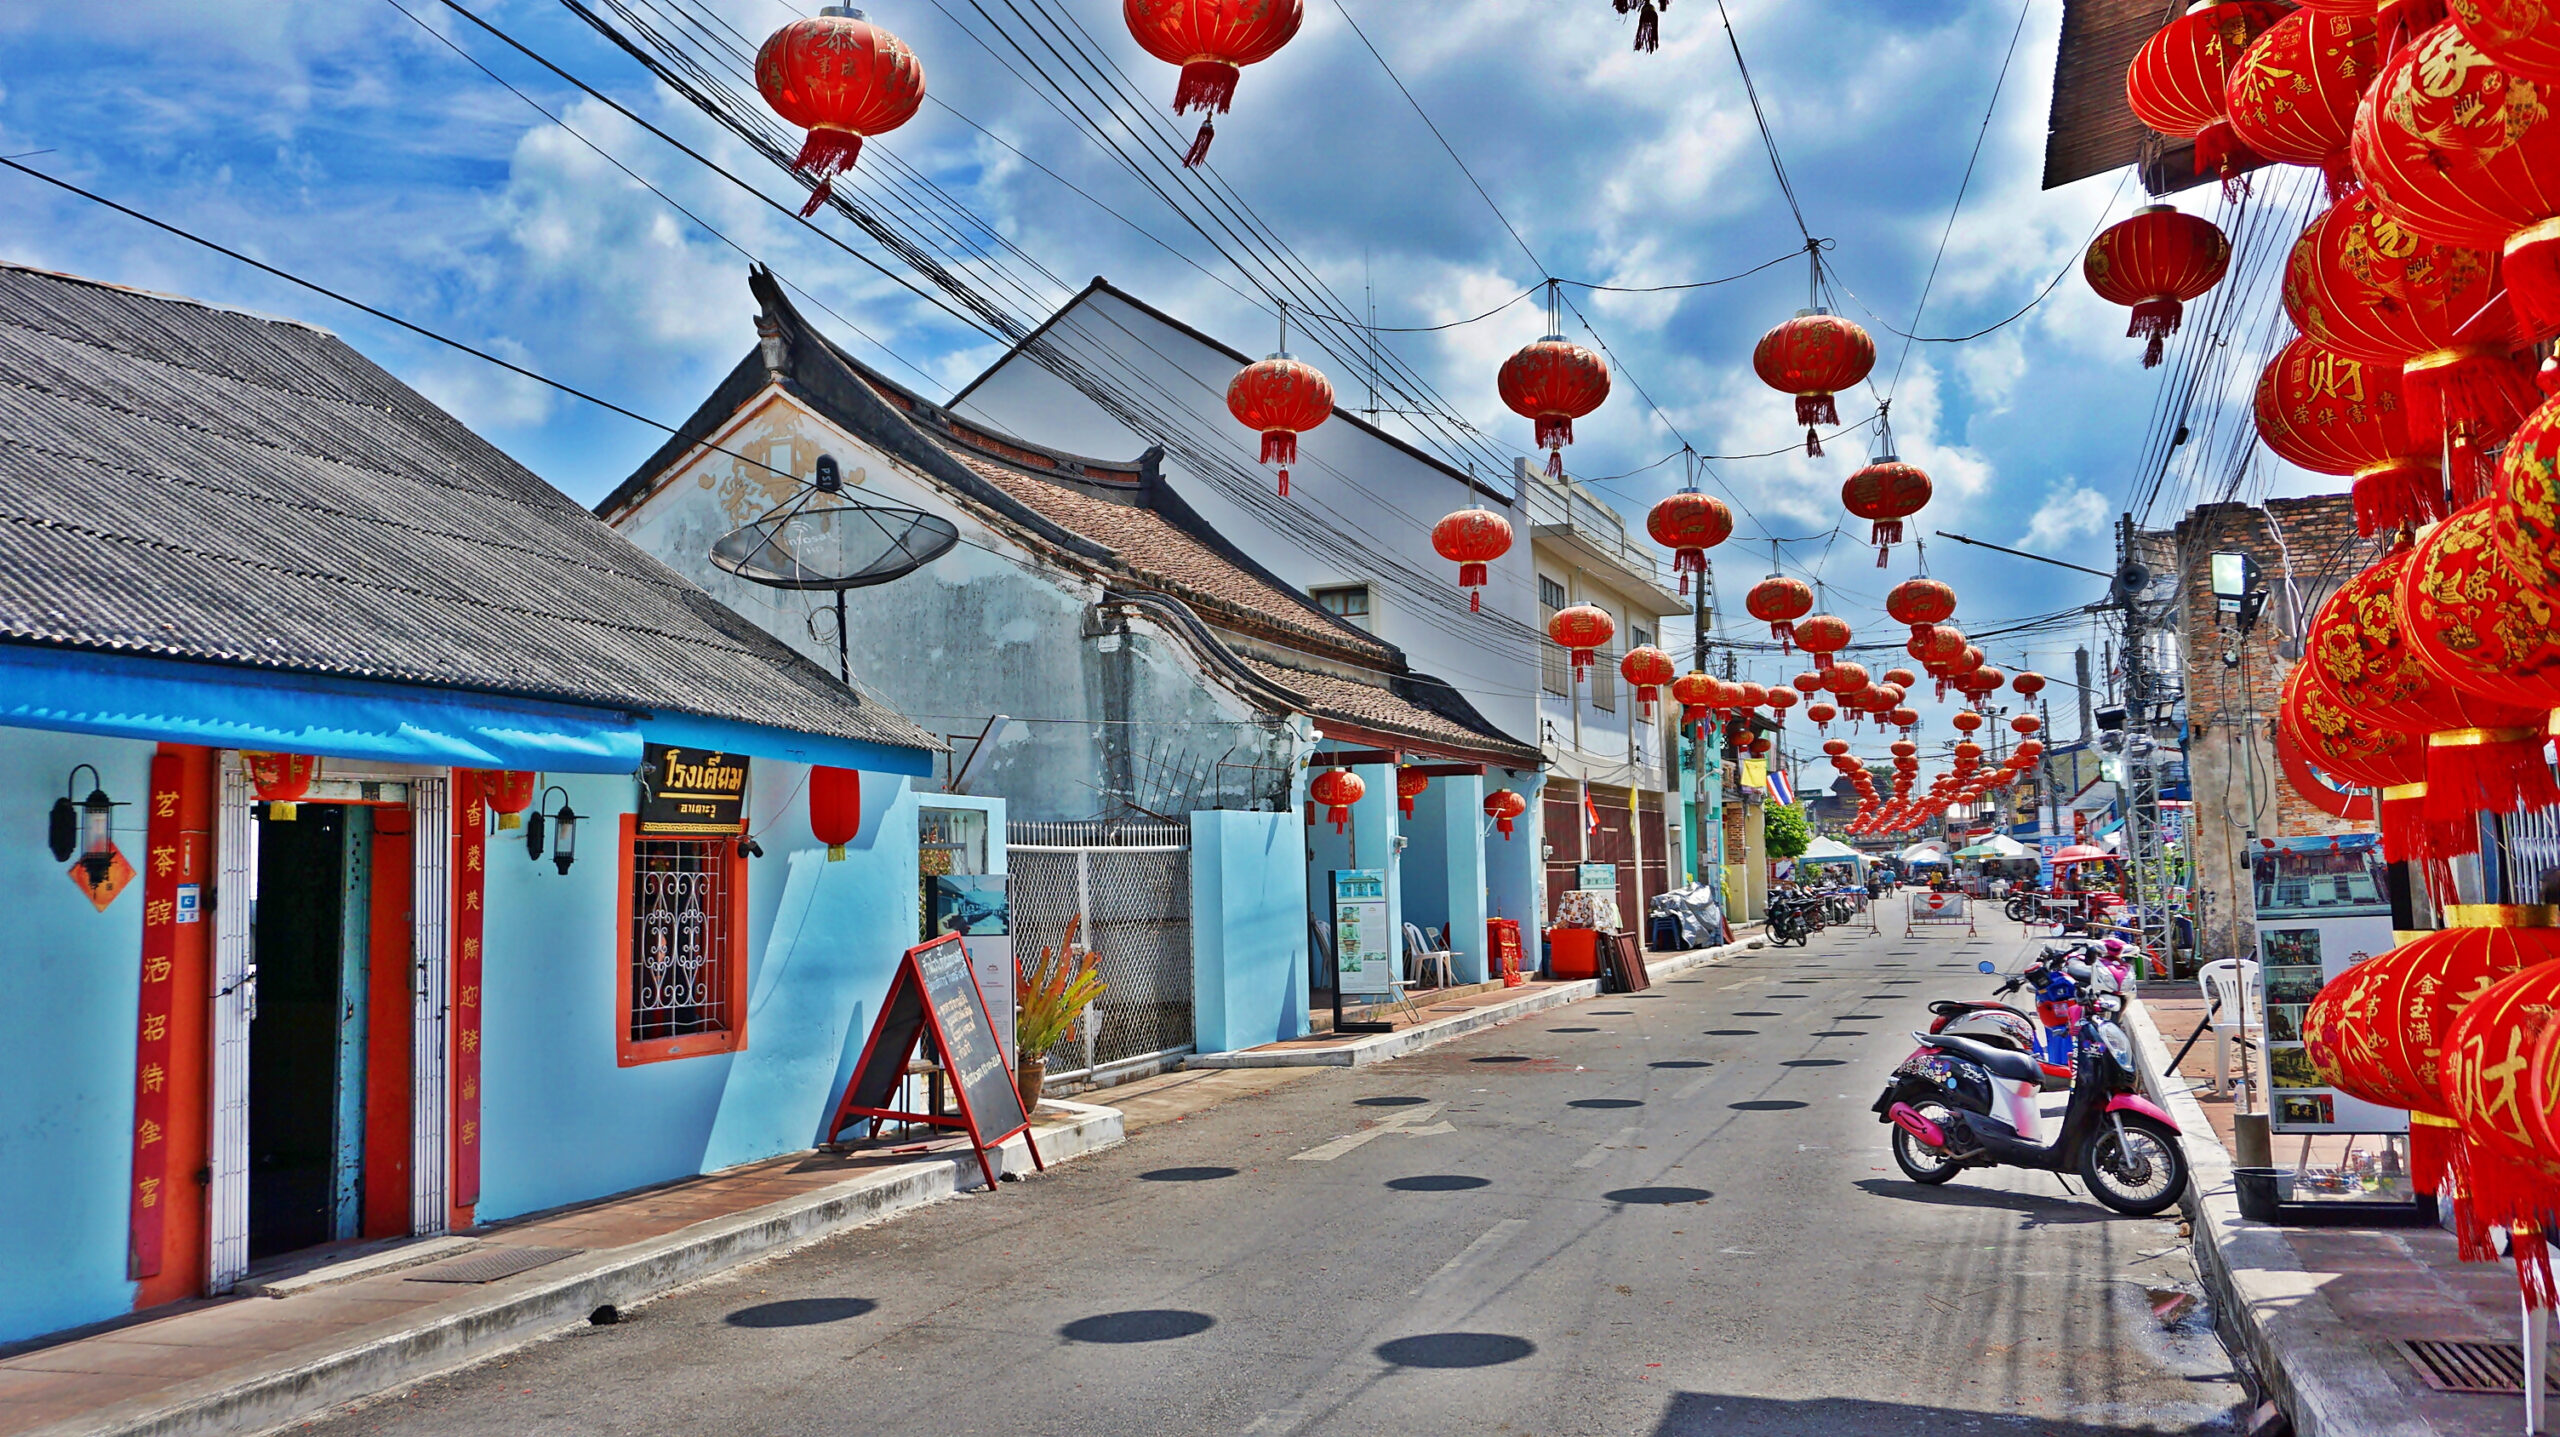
{"x": 934, "y": 997}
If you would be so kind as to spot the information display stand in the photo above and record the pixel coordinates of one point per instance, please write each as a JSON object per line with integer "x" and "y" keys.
{"x": 934, "y": 997}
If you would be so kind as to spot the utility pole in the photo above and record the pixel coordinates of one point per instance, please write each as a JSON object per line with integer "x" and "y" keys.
{"x": 2138, "y": 771}
{"x": 1708, "y": 811}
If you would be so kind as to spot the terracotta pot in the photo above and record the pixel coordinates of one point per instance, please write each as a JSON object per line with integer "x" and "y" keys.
{"x": 1027, "y": 1078}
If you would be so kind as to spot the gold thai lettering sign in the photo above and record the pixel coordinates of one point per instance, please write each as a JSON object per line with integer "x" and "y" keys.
{"x": 692, "y": 792}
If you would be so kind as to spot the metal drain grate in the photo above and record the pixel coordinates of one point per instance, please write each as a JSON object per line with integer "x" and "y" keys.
{"x": 490, "y": 1264}
{"x": 2473, "y": 1366}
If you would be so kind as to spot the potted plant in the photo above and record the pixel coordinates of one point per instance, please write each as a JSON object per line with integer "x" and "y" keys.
{"x": 1047, "y": 1001}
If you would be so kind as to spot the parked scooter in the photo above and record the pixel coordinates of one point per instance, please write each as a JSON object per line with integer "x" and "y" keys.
{"x": 1960, "y": 1102}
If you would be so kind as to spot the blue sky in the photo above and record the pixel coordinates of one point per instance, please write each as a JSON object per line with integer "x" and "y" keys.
{"x": 344, "y": 141}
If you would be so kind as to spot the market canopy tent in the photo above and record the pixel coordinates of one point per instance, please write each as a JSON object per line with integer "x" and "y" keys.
{"x": 1996, "y": 846}
{"x": 1831, "y": 850}
{"x": 1921, "y": 854}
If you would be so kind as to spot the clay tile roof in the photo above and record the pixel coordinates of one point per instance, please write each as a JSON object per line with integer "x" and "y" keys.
{"x": 1422, "y": 709}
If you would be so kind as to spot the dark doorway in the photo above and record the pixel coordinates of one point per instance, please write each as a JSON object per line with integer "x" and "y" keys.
{"x": 307, "y": 1040}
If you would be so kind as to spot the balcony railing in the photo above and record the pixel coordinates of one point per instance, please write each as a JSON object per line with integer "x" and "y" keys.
{"x": 1597, "y": 525}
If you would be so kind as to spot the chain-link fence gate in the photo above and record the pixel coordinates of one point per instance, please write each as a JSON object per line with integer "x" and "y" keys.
{"x": 1131, "y": 884}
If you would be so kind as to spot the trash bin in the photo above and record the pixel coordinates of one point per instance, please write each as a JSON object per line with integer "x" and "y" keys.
{"x": 1573, "y": 953}
{"x": 2261, "y": 1191}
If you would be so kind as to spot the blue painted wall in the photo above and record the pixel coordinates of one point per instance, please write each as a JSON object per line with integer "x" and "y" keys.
{"x": 1248, "y": 930}
{"x": 564, "y": 1122}
{"x": 1515, "y": 866}
{"x": 73, "y": 975}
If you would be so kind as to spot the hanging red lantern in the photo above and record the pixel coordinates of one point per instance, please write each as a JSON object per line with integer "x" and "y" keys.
{"x": 1845, "y": 679}
{"x": 2458, "y": 151}
{"x": 1409, "y": 786}
{"x": 1502, "y": 806}
{"x": 2527, "y": 526}
{"x": 2179, "y": 81}
{"x": 1284, "y": 397}
{"x": 2477, "y": 620}
{"x": 841, "y": 78}
{"x": 835, "y": 808}
{"x": 2292, "y": 96}
{"x": 2522, "y": 36}
{"x": 1966, "y": 721}
{"x": 2507, "y": 1177}
{"x": 1814, "y": 356}
{"x": 2316, "y": 729}
{"x": 1582, "y": 629}
{"x": 1822, "y": 636}
{"x": 2027, "y": 683}
{"x": 2156, "y": 260}
{"x": 1554, "y": 382}
{"x": 1689, "y": 524}
{"x": 1472, "y": 539}
{"x": 1905, "y": 719}
{"x": 2482, "y": 756}
{"x": 1920, "y": 602}
{"x": 1835, "y": 747}
{"x": 2334, "y": 415}
{"x": 1807, "y": 684}
{"x": 1212, "y": 40}
{"x": 1747, "y": 695}
{"x": 280, "y": 780}
{"x": 1337, "y": 789}
{"x": 1936, "y": 646}
{"x": 509, "y": 793}
{"x": 1781, "y": 698}
{"x": 1695, "y": 692}
{"x": 1647, "y": 669}
{"x": 1886, "y": 492}
{"x": 2025, "y": 724}
{"x": 1779, "y": 601}
{"x": 1822, "y": 715}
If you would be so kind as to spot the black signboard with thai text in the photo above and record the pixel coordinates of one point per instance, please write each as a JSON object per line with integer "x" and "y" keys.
{"x": 692, "y": 792}
{"x": 934, "y": 996}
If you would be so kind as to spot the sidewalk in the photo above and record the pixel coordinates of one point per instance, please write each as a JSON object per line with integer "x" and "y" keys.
{"x": 2315, "y": 1310}
{"x": 382, "y": 1318}
{"x": 1452, "y": 1018}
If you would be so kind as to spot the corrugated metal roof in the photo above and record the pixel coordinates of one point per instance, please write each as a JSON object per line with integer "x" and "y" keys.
{"x": 2091, "y": 129}
{"x": 192, "y": 482}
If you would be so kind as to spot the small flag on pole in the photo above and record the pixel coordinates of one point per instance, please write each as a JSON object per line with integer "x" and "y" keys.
{"x": 1590, "y": 814}
{"x": 1781, "y": 790}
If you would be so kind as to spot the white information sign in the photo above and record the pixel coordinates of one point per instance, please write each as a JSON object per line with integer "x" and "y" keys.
{"x": 1364, "y": 952}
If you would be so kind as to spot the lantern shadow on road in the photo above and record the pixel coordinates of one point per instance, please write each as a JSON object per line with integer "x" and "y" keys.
{"x": 800, "y": 1312}
{"x": 1146, "y": 1324}
{"x": 1656, "y": 1196}
{"x": 1606, "y": 1103}
{"x": 1389, "y": 1102}
{"x": 1438, "y": 1183}
{"x": 1186, "y": 1175}
{"x": 1456, "y": 1349}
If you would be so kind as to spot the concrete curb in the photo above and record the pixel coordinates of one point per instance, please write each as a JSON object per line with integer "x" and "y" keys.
{"x": 1380, "y": 1047}
{"x": 2316, "y": 1367}
{"x": 521, "y": 1310}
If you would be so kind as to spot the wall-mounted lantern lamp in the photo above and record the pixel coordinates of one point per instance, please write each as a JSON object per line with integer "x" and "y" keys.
{"x": 82, "y": 827}
{"x": 564, "y": 830}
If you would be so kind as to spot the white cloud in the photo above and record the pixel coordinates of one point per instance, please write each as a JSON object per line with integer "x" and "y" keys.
{"x": 2070, "y": 511}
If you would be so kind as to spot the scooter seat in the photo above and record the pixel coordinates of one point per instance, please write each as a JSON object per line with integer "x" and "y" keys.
{"x": 2001, "y": 1062}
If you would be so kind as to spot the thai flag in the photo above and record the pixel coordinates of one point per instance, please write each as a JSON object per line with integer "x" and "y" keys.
{"x": 1781, "y": 790}
{"x": 1590, "y": 815}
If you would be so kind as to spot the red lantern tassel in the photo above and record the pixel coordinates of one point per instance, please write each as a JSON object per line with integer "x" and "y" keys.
{"x": 1886, "y": 534}
{"x": 2486, "y": 770}
{"x": 2468, "y": 397}
{"x": 1206, "y": 85}
{"x": 2397, "y": 492}
{"x": 1785, "y": 631}
{"x": 826, "y": 154}
{"x": 1685, "y": 562}
{"x": 2340, "y": 175}
{"x": 1648, "y": 29}
{"x": 1199, "y": 150}
{"x": 1812, "y": 409}
{"x": 2155, "y": 320}
{"x": 1340, "y": 816}
{"x": 1280, "y": 446}
{"x": 1284, "y": 483}
{"x": 1472, "y": 576}
{"x": 2408, "y": 837}
{"x": 2532, "y": 271}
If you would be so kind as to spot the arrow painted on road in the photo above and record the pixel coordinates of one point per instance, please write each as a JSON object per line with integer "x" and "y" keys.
{"x": 1406, "y": 1123}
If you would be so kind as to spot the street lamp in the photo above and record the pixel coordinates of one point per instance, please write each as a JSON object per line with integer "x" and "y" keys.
{"x": 2236, "y": 589}
{"x": 82, "y": 827}
{"x": 564, "y": 830}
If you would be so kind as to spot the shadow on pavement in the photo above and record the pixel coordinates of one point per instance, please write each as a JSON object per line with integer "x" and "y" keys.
{"x": 1711, "y": 1414}
{"x": 2055, "y": 1208}
{"x": 1186, "y": 1175}
{"x": 1146, "y": 1324}
{"x": 1657, "y": 1197}
{"x": 800, "y": 1312}
{"x": 1437, "y": 1183}
{"x": 1456, "y": 1349}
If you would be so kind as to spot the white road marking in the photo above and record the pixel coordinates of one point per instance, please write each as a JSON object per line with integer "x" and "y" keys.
{"x": 1693, "y": 1087}
{"x": 1403, "y": 1122}
{"x": 1600, "y": 1154}
{"x": 1276, "y": 1422}
{"x": 1493, "y": 1237}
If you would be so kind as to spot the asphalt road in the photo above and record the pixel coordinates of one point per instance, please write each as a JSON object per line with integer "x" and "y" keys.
{"x": 1662, "y": 1213}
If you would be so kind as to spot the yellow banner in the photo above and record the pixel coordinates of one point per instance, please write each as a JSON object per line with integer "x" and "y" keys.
{"x": 1755, "y": 774}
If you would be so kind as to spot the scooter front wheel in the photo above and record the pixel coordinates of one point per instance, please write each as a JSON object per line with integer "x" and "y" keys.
{"x": 1920, "y": 1162}
{"x": 2134, "y": 1165}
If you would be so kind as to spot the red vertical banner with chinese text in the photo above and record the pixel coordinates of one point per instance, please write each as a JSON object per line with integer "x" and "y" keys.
{"x": 471, "y": 852}
{"x": 166, "y": 866}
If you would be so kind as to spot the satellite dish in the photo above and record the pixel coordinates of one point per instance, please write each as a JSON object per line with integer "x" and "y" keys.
{"x": 820, "y": 540}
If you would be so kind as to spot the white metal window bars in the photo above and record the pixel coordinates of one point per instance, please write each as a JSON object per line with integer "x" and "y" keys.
{"x": 679, "y": 979}
{"x": 431, "y": 901}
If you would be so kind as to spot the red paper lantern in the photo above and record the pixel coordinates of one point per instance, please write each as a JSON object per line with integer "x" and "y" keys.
{"x": 1283, "y": 397}
{"x": 1904, "y": 718}
{"x": 509, "y": 793}
{"x": 1779, "y": 601}
{"x": 1648, "y": 669}
{"x": 1920, "y": 602}
{"x": 2156, "y": 260}
{"x": 1409, "y": 786}
{"x": 1822, "y": 715}
{"x": 2292, "y": 96}
{"x": 1689, "y": 524}
{"x": 1807, "y": 684}
{"x": 2477, "y": 620}
{"x": 1581, "y": 629}
{"x": 1885, "y": 493}
{"x": 2527, "y": 525}
{"x": 841, "y": 78}
{"x": 1845, "y": 679}
{"x": 1746, "y": 695}
{"x": 835, "y": 808}
{"x": 2482, "y": 756}
{"x": 1695, "y": 692}
{"x": 1502, "y": 806}
{"x": 2522, "y": 36}
{"x": 2455, "y": 148}
{"x": 1472, "y": 539}
{"x": 1337, "y": 789}
{"x": 1835, "y": 747}
{"x": 2334, "y": 415}
{"x": 1822, "y": 636}
{"x": 280, "y": 779}
{"x": 1967, "y": 721}
{"x": 2027, "y": 683}
{"x": 1814, "y": 356}
{"x": 2488, "y": 1060}
{"x": 1781, "y": 698}
{"x": 2179, "y": 81}
{"x": 1211, "y": 40}
{"x": 2315, "y": 730}
{"x": 1554, "y": 382}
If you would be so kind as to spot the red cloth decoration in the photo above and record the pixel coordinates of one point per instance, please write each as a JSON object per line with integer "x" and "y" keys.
{"x": 1886, "y": 492}
{"x": 2332, "y": 414}
{"x": 1211, "y": 40}
{"x": 1814, "y": 356}
{"x": 1582, "y": 629}
{"x": 1779, "y": 601}
{"x": 1337, "y": 789}
{"x": 1554, "y": 382}
{"x": 1689, "y": 524}
{"x": 2156, "y": 260}
{"x": 280, "y": 777}
{"x": 2179, "y": 80}
{"x": 840, "y": 78}
{"x": 835, "y": 808}
{"x": 2292, "y": 96}
{"x": 1472, "y": 539}
{"x": 1283, "y": 397}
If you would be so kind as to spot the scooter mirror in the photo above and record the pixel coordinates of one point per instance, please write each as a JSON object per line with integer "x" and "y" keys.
{"x": 1987, "y": 966}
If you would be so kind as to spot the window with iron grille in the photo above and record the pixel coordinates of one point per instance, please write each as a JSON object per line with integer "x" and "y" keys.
{"x": 1554, "y": 675}
{"x": 683, "y": 947}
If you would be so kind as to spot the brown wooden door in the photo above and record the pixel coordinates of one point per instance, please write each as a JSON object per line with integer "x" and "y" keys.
{"x": 1657, "y": 854}
{"x": 1564, "y": 842}
{"x": 1615, "y": 842}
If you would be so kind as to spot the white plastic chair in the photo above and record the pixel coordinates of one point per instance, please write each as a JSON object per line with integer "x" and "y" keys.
{"x": 1428, "y": 962}
{"x": 2230, "y": 989}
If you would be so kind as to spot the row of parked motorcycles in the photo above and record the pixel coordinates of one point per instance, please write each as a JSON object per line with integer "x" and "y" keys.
{"x": 1970, "y": 1095}
{"x": 1796, "y": 914}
